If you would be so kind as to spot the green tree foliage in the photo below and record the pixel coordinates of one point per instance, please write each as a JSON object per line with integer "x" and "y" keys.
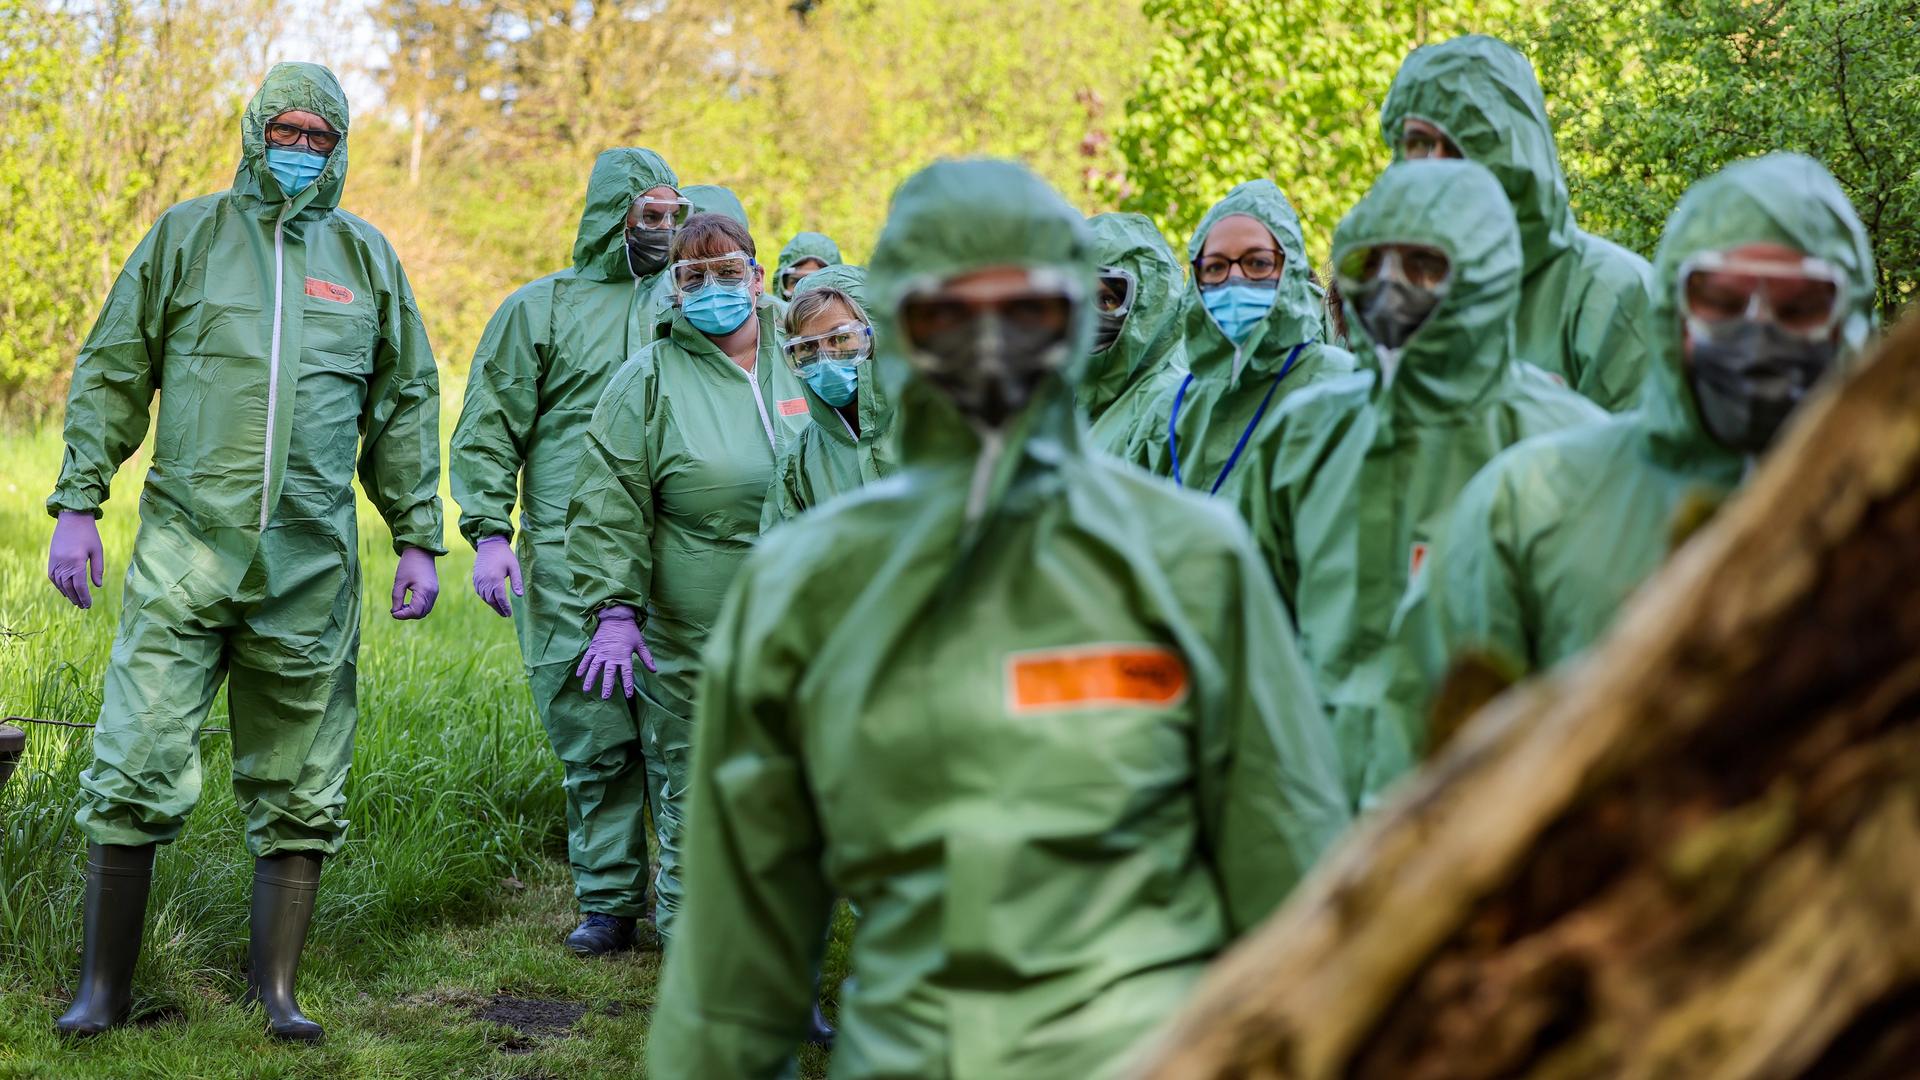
{"x": 1238, "y": 89}
{"x": 105, "y": 120}
{"x": 1652, "y": 94}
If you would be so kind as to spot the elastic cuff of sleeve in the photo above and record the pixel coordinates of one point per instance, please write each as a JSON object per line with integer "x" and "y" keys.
{"x": 432, "y": 547}
{"x": 73, "y": 503}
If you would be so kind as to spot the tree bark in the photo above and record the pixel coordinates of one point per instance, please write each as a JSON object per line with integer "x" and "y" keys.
{"x": 1694, "y": 855}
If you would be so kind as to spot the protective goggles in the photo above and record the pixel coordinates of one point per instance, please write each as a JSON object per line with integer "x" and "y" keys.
{"x": 1807, "y": 299}
{"x": 1261, "y": 264}
{"x": 731, "y": 269}
{"x": 1117, "y": 290}
{"x": 1419, "y": 265}
{"x": 844, "y": 343}
{"x": 654, "y": 214}
{"x": 1042, "y": 308}
{"x": 319, "y": 140}
{"x": 790, "y": 277}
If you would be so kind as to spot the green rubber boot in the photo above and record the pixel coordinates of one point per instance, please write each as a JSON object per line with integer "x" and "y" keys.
{"x": 115, "y": 911}
{"x": 283, "y": 892}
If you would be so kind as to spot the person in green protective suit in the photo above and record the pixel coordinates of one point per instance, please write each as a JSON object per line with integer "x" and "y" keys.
{"x": 807, "y": 253}
{"x": 848, "y": 444}
{"x": 1138, "y": 331}
{"x": 1550, "y": 539}
{"x": 1053, "y": 740}
{"x": 674, "y": 466}
{"x": 1346, "y": 484}
{"x": 1252, "y": 324}
{"x": 1583, "y": 300}
{"x": 285, "y": 335}
{"x": 542, "y": 364}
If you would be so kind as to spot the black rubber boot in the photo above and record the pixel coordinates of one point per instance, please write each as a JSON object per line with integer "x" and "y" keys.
{"x": 599, "y": 935}
{"x": 283, "y": 892}
{"x": 822, "y": 1032}
{"x": 115, "y": 910}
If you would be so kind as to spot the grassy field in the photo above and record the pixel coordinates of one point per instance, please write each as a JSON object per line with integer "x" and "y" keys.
{"x": 436, "y": 950}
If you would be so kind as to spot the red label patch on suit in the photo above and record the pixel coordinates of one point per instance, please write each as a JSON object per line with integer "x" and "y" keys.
{"x": 793, "y": 406}
{"x": 1416, "y": 559}
{"x": 1094, "y": 676}
{"x": 327, "y": 290}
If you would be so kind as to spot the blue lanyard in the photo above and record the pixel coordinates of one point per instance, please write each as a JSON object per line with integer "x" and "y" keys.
{"x": 1173, "y": 423}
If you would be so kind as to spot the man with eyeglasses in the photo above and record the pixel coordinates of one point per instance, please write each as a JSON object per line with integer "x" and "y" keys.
{"x": 280, "y": 338}
{"x": 541, "y": 366}
{"x": 1344, "y": 488}
{"x": 1766, "y": 287}
{"x": 1583, "y": 300}
{"x": 1252, "y": 332}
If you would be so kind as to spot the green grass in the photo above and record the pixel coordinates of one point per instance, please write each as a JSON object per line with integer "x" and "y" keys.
{"x": 454, "y": 803}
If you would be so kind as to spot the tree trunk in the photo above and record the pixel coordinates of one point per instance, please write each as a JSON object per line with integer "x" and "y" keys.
{"x": 1695, "y": 855}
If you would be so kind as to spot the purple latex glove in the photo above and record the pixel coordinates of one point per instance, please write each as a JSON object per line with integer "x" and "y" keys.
{"x": 75, "y": 557}
{"x": 415, "y": 585}
{"x": 494, "y": 565}
{"x": 611, "y": 652}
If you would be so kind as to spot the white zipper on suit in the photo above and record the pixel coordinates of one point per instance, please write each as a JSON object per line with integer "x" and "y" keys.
{"x": 273, "y": 363}
{"x": 753, "y": 380}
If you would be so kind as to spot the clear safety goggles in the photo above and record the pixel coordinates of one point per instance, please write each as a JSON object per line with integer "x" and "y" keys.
{"x": 845, "y": 343}
{"x": 731, "y": 269}
{"x": 1718, "y": 292}
{"x": 1419, "y": 265}
{"x": 655, "y": 214}
{"x": 790, "y": 277}
{"x": 1041, "y": 307}
{"x": 1117, "y": 290}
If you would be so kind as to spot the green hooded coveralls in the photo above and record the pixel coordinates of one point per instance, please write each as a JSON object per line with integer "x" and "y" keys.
{"x": 1346, "y": 484}
{"x": 1583, "y": 300}
{"x": 803, "y": 246}
{"x": 546, "y": 357}
{"x": 1231, "y": 384}
{"x": 666, "y": 503}
{"x": 1151, "y": 333}
{"x": 1554, "y": 535}
{"x": 1052, "y": 739}
{"x": 829, "y": 458}
{"x": 281, "y": 337}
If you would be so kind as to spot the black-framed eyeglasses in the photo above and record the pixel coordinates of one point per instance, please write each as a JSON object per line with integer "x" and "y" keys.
{"x": 1260, "y": 264}
{"x": 319, "y": 140}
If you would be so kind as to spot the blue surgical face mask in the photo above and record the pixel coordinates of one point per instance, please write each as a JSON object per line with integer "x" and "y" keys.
{"x": 1238, "y": 306}
{"x": 834, "y": 380}
{"x": 718, "y": 309}
{"x": 294, "y": 169}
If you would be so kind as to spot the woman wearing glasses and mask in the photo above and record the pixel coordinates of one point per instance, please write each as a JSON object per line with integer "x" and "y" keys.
{"x": 1344, "y": 488}
{"x": 829, "y": 345}
{"x": 1254, "y": 321}
{"x": 1038, "y": 717}
{"x": 675, "y": 465}
{"x": 546, "y": 357}
{"x": 1765, "y": 287}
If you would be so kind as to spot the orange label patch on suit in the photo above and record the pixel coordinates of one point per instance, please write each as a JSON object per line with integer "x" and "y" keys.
{"x": 1416, "y": 559}
{"x": 1095, "y": 676}
{"x": 793, "y": 406}
{"x": 327, "y": 290}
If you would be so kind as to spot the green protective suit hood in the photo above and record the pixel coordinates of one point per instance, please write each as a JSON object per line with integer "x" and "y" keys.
{"x": 1466, "y": 343}
{"x": 1583, "y": 304}
{"x": 714, "y": 199}
{"x": 1552, "y": 537}
{"x": 1786, "y": 199}
{"x": 1483, "y": 94}
{"x": 1132, "y": 243}
{"x": 619, "y": 177}
{"x": 806, "y": 245}
{"x": 1043, "y": 863}
{"x": 308, "y": 87}
{"x": 1297, "y": 313}
{"x": 829, "y": 458}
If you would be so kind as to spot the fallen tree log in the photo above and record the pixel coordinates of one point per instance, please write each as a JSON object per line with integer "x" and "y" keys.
{"x": 1694, "y": 855}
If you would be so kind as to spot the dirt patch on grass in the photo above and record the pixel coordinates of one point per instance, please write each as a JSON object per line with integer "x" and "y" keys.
{"x": 530, "y": 1020}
